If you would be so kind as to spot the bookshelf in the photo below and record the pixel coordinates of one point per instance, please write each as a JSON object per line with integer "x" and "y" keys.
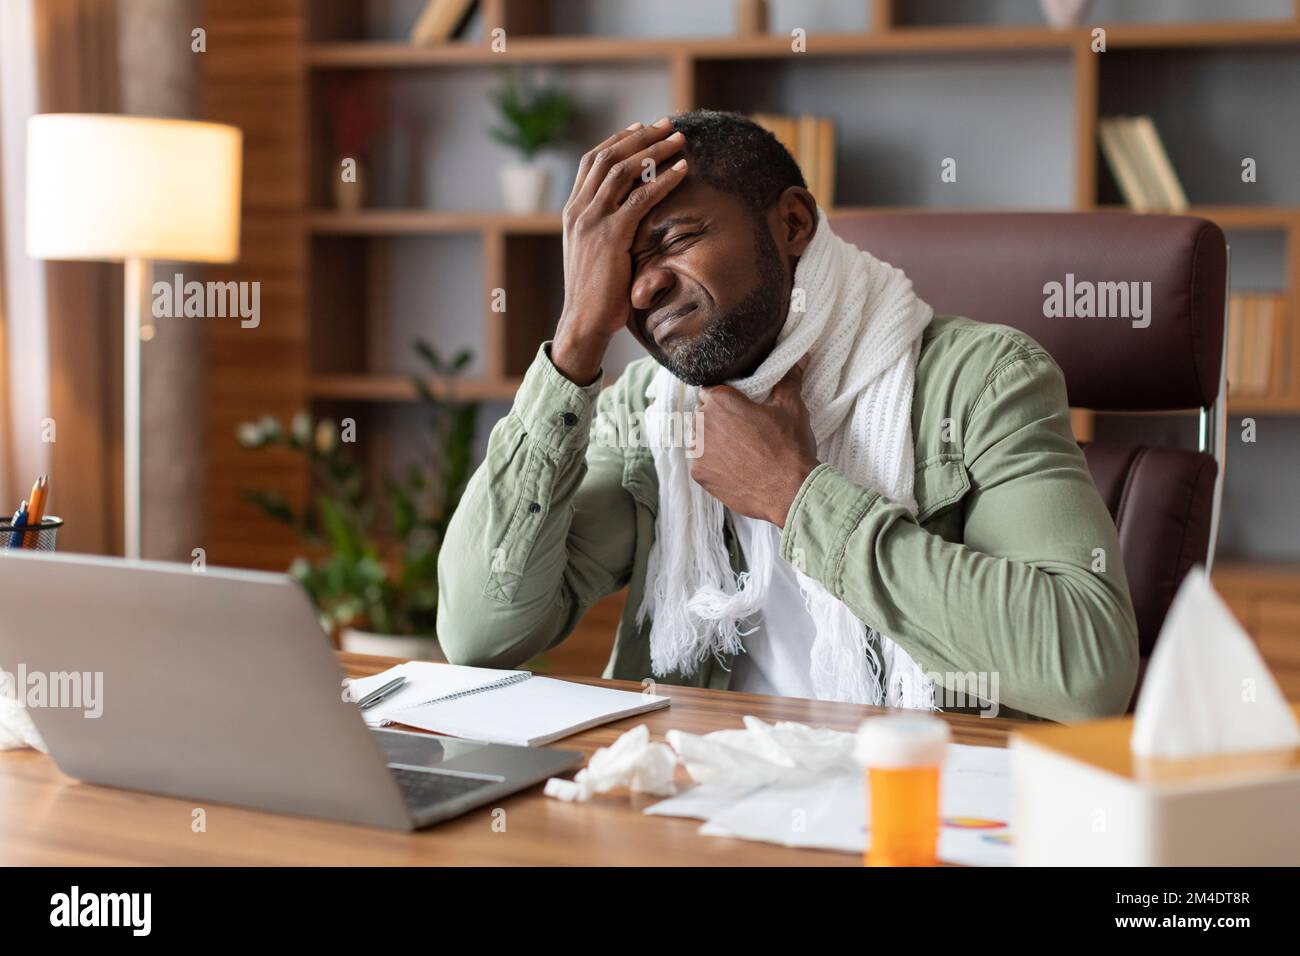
{"x": 1019, "y": 102}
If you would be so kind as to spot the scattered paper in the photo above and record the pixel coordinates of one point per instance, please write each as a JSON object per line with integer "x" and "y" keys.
{"x": 830, "y": 811}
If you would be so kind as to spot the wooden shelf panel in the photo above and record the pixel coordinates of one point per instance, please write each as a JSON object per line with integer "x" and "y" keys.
{"x": 1264, "y": 405}
{"x": 1232, "y": 217}
{"x": 906, "y": 40}
{"x": 386, "y": 222}
{"x": 374, "y": 55}
{"x": 1212, "y": 34}
{"x": 1261, "y": 575}
{"x": 396, "y": 222}
{"x": 398, "y": 388}
{"x": 1248, "y": 217}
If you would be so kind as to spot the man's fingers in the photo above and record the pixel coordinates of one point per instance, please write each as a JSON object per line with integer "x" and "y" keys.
{"x": 596, "y": 164}
{"x": 627, "y": 175}
{"x": 584, "y": 164}
{"x": 791, "y": 384}
{"x": 645, "y": 196}
{"x": 720, "y": 394}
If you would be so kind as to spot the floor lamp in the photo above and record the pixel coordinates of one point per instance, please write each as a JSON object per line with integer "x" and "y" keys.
{"x": 135, "y": 190}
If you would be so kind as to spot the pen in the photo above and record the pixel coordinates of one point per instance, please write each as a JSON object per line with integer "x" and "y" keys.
{"x": 379, "y": 693}
{"x": 19, "y": 521}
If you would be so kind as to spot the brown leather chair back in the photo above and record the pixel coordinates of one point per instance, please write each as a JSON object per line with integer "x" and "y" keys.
{"x": 994, "y": 267}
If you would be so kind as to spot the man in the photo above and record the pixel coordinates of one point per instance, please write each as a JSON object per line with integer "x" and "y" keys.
{"x": 814, "y": 487}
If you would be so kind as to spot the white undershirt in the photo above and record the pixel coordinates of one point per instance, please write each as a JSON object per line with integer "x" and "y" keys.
{"x": 779, "y": 652}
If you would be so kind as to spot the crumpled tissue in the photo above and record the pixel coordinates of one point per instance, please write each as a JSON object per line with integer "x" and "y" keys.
{"x": 632, "y": 761}
{"x": 728, "y": 761}
{"x": 763, "y": 753}
{"x": 16, "y": 727}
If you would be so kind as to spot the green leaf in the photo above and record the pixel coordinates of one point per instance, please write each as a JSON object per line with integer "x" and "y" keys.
{"x": 272, "y": 504}
{"x": 343, "y": 537}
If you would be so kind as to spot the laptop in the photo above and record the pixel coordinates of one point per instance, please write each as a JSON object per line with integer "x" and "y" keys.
{"x": 220, "y": 685}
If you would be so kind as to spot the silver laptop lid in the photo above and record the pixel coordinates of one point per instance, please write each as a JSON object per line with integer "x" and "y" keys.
{"x": 217, "y": 685}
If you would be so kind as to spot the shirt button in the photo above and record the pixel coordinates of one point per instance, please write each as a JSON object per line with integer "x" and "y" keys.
{"x": 534, "y": 508}
{"x": 570, "y": 419}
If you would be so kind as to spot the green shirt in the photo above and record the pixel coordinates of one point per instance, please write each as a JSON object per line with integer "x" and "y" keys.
{"x": 1011, "y": 566}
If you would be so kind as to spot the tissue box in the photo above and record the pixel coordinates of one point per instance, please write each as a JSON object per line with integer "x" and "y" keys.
{"x": 1083, "y": 798}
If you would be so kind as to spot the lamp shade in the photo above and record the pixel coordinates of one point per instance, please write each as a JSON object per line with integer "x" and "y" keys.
{"x": 101, "y": 186}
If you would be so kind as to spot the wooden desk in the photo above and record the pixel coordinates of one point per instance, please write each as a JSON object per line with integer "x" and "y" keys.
{"x": 49, "y": 819}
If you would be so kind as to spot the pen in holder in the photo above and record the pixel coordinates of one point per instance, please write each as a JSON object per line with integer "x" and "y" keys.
{"x": 34, "y": 538}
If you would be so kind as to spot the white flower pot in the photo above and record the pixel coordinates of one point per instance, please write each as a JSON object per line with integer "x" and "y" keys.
{"x": 391, "y": 645}
{"x": 524, "y": 187}
{"x": 1064, "y": 13}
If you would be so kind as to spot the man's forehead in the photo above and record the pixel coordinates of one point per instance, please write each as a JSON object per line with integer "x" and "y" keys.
{"x": 693, "y": 200}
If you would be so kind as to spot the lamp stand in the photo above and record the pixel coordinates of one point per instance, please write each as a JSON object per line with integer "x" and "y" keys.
{"x": 136, "y": 293}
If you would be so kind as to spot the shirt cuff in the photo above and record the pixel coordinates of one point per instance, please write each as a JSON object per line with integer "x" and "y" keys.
{"x": 555, "y": 412}
{"x": 825, "y": 513}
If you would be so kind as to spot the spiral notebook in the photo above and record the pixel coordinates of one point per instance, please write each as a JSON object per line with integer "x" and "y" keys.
{"x": 496, "y": 706}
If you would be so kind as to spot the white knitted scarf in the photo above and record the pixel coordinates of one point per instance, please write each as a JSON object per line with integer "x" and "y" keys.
{"x": 860, "y": 323}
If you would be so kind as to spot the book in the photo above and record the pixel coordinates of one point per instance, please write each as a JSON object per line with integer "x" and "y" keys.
{"x": 1123, "y": 165}
{"x": 810, "y": 140}
{"x": 1168, "y": 189}
{"x": 1262, "y": 357}
{"x": 1256, "y": 339}
{"x": 496, "y": 706}
{"x": 807, "y": 154}
{"x": 1141, "y": 167}
{"x": 1235, "y": 342}
{"x": 826, "y": 162}
{"x": 440, "y": 20}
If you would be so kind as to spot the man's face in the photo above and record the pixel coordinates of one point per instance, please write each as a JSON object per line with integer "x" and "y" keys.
{"x": 709, "y": 285}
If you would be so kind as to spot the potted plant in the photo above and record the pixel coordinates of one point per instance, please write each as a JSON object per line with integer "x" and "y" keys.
{"x": 372, "y": 570}
{"x": 532, "y": 118}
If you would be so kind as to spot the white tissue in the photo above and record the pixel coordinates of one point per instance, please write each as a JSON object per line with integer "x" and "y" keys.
{"x": 632, "y": 761}
{"x": 16, "y": 727}
{"x": 1207, "y": 690}
{"x": 765, "y": 753}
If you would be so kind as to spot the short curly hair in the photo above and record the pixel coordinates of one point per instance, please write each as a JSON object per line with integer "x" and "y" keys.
{"x": 735, "y": 155}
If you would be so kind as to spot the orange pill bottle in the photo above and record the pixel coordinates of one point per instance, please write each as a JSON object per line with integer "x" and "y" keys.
{"x": 903, "y": 756}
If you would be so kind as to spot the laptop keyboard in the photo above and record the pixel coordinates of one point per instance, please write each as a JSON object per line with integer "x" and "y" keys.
{"x": 423, "y": 789}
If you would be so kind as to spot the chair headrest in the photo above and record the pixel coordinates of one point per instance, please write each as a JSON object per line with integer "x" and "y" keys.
{"x": 1130, "y": 306}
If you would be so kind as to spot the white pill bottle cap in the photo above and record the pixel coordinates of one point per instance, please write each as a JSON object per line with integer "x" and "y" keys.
{"x": 902, "y": 741}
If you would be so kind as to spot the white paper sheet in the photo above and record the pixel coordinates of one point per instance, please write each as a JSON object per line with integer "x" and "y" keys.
{"x": 831, "y": 814}
{"x": 530, "y": 713}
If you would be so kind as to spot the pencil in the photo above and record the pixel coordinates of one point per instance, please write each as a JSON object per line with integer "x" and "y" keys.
{"x": 36, "y": 510}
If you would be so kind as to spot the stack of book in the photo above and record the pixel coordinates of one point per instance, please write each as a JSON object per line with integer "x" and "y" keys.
{"x": 1255, "y": 330}
{"x": 440, "y": 21}
{"x": 811, "y": 141}
{"x": 1140, "y": 165}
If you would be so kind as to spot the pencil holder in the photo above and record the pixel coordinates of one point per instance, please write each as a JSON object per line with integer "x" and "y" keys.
{"x": 36, "y": 538}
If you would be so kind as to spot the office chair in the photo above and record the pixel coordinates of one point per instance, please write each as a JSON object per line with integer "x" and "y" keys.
{"x": 993, "y": 267}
